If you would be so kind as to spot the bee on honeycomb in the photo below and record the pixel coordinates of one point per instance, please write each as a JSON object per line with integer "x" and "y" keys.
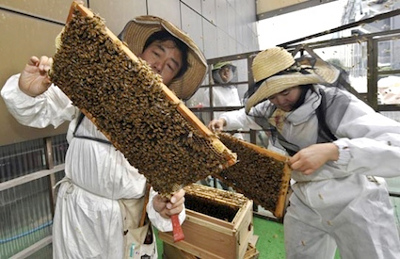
{"x": 125, "y": 99}
{"x": 258, "y": 176}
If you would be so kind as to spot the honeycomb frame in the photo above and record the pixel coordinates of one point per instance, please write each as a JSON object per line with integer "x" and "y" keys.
{"x": 260, "y": 174}
{"x": 131, "y": 106}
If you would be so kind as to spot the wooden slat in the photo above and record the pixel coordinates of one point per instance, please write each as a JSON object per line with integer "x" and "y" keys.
{"x": 33, "y": 248}
{"x": 30, "y": 177}
{"x": 216, "y": 224}
{"x": 280, "y": 207}
{"x": 52, "y": 179}
{"x": 189, "y": 248}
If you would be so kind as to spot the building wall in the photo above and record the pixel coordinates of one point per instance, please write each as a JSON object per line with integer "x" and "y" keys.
{"x": 29, "y": 27}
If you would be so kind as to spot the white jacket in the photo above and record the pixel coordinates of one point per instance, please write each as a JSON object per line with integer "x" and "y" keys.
{"x": 222, "y": 96}
{"x": 88, "y": 221}
{"x": 355, "y": 124}
{"x": 338, "y": 205}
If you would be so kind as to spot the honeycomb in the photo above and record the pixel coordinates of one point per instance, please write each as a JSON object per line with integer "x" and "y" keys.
{"x": 126, "y": 101}
{"x": 258, "y": 176}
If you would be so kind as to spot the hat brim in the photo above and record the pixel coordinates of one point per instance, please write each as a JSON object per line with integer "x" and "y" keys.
{"x": 322, "y": 68}
{"x": 138, "y": 30}
{"x": 277, "y": 84}
{"x": 222, "y": 64}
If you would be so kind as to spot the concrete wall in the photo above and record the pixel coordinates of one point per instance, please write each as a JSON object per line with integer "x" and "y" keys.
{"x": 29, "y": 27}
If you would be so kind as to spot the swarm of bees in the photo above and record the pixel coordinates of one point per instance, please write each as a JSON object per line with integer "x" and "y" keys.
{"x": 258, "y": 176}
{"x": 214, "y": 202}
{"x": 125, "y": 100}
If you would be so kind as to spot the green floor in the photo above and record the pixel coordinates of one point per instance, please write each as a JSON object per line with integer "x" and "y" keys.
{"x": 270, "y": 242}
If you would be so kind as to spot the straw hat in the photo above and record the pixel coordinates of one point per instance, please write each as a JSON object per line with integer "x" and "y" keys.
{"x": 302, "y": 71}
{"x": 138, "y": 30}
{"x": 222, "y": 64}
{"x": 269, "y": 62}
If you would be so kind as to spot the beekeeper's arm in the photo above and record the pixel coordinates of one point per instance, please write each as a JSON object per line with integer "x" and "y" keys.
{"x": 370, "y": 143}
{"x": 33, "y": 100}
{"x": 238, "y": 119}
{"x": 160, "y": 209}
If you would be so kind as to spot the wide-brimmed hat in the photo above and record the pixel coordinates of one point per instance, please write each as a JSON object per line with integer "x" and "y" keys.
{"x": 281, "y": 71}
{"x": 269, "y": 62}
{"x": 138, "y": 30}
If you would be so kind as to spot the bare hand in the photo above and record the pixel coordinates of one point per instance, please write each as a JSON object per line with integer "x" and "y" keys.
{"x": 34, "y": 79}
{"x": 217, "y": 125}
{"x": 309, "y": 159}
{"x": 167, "y": 207}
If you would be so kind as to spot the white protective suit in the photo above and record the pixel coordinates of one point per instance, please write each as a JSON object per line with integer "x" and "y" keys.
{"x": 88, "y": 221}
{"x": 339, "y": 204}
{"x": 223, "y": 96}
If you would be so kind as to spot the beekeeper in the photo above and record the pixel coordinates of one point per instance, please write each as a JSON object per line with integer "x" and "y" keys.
{"x": 101, "y": 200}
{"x": 339, "y": 145}
{"x": 224, "y": 94}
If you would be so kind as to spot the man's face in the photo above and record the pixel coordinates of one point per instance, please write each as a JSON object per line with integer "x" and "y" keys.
{"x": 164, "y": 58}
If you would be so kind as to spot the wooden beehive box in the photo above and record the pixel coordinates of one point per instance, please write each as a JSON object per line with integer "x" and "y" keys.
{"x": 223, "y": 234}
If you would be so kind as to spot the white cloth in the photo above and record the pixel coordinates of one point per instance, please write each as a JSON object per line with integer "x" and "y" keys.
{"x": 88, "y": 221}
{"x": 222, "y": 96}
{"x": 338, "y": 204}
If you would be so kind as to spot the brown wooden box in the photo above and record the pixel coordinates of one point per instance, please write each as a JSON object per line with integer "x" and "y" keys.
{"x": 171, "y": 252}
{"x": 209, "y": 237}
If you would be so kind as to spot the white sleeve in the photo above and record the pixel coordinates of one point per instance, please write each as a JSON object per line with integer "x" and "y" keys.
{"x": 238, "y": 119}
{"x": 370, "y": 157}
{"x": 370, "y": 143}
{"x": 50, "y": 108}
{"x": 162, "y": 224}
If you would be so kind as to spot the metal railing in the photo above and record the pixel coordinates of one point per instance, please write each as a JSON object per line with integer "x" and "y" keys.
{"x": 27, "y": 197}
